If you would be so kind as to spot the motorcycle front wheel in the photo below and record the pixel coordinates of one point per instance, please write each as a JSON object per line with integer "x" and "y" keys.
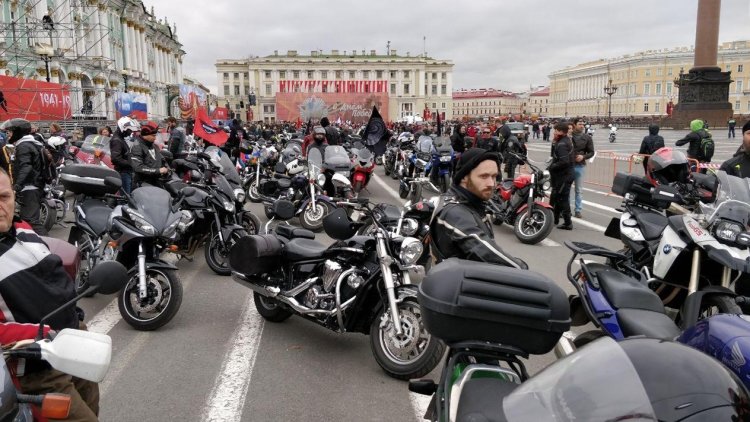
{"x": 412, "y": 354}
{"x": 47, "y": 216}
{"x": 251, "y": 223}
{"x": 253, "y": 194}
{"x": 312, "y": 217}
{"x": 532, "y": 228}
{"x": 162, "y": 301}
{"x": 217, "y": 254}
{"x": 445, "y": 183}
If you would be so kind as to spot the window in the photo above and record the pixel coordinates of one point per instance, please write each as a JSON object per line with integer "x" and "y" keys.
{"x": 323, "y": 74}
{"x": 406, "y": 73}
{"x": 406, "y": 89}
{"x": 393, "y": 89}
{"x": 268, "y": 89}
{"x": 236, "y": 90}
{"x": 236, "y": 75}
{"x": 339, "y": 74}
{"x": 434, "y": 75}
{"x": 425, "y": 89}
{"x": 656, "y": 107}
{"x": 736, "y": 106}
{"x": 379, "y": 74}
{"x": 282, "y": 74}
{"x": 444, "y": 90}
{"x": 310, "y": 74}
{"x": 267, "y": 74}
{"x": 365, "y": 74}
{"x": 247, "y": 89}
{"x": 393, "y": 74}
{"x": 739, "y": 68}
{"x": 351, "y": 74}
{"x": 226, "y": 75}
{"x": 269, "y": 108}
{"x": 648, "y": 72}
{"x": 669, "y": 88}
{"x": 295, "y": 73}
{"x": 739, "y": 86}
{"x": 442, "y": 105}
{"x": 434, "y": 90}
{"x": 646, "y": 89}
{"x": 658, "y": 89}
{"x": 659, "y": 71}
{"x": 324, "y": 88}
{"x": 669, "y": 71}
{"x": 645, "y": 106}
{"x": 729, "y": 68}
{"x": 444, "y": 75}
{"x": 226, "y": 90}
{"x": 434, "y": 106}
{"x": 407, "y": 106}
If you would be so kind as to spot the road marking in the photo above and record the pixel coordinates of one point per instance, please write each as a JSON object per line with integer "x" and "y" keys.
{"x": 106, "y": 319}
{"x": 227, "y": 398}
{"x": 420, "y": 403}
{"x": 549, "y": 242}
{"x": 602, "y": 207}
{"x": 610, "y": 194}
{"x": 124, "y": 358}
{"x": 590, "y": 225}
{"x": 385, "y": 186}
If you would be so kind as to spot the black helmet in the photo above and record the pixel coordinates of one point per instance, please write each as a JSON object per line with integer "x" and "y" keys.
{"x": 19, "y": 127}
{"x": 667, "y": 165}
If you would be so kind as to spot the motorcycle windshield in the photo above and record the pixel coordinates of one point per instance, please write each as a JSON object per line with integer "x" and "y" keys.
{"x": 580, "y": 388}
{"x": 364, "y": 154}
{"x": 336, "y": 158}
{"x": 154, "y": 204}
{"x": 221, "y": 159}
{"x": 424, "y": 144}
{"x": 442, "y": 145}
{"x": 732, "y": 200}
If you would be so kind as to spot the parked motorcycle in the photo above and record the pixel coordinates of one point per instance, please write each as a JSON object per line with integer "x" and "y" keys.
{"x": 364, "y": 165}
{"x": 442, "y": 163}
{"x": 390, "y": 157}
{"x": 259, "y": 166}
{"x": 358, "y": 284}
{"x": 519, "y": 202}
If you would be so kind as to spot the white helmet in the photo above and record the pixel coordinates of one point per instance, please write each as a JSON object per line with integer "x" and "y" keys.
{"x": 128, "y": 124}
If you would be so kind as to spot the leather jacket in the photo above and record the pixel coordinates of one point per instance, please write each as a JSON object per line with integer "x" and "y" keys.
{"x": 146, "y": 160}
{"x": 460, "y": 228}
{"x": 120, "y": 154}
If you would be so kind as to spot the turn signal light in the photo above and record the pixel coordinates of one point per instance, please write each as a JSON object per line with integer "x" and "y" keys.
{"x": 173, "y": 248}
{"x": 112, "y": 244}
{"x": 56, "y": 406}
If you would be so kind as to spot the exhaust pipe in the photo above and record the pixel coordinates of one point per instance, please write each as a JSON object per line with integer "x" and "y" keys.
{"x": 565, "y": 345}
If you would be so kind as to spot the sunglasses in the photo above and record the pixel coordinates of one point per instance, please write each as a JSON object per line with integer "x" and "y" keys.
{"x": 486, "y": 132}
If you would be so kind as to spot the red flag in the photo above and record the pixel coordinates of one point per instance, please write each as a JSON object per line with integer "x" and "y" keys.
{"x": 206, "y": 129}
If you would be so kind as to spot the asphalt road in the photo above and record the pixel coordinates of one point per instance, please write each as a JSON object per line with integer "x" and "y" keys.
{"x": 218, "y": 360}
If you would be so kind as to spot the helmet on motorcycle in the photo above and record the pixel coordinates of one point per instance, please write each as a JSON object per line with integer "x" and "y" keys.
{"x": 19, "y": 127}
{"x": 127, "y": 125}
{"x": 667, "y": 165}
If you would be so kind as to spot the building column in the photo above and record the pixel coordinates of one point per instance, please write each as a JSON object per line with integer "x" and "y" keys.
{"x": 126, "y": 46}
{"x": 707, "y": 33}
{"x": 104, "y": 21}
{"x": 144, "y": 54}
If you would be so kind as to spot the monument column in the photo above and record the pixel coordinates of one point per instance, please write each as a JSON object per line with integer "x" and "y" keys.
{"x": 707, "y": 33}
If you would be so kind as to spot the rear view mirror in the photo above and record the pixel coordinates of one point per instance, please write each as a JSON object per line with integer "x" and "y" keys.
{"x": 82, "y": 354}
{"x": 108, "y": 277}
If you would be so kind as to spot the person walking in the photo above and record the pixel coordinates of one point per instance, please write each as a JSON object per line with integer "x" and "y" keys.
{"x": 545, "y": 132}
{"x": 739, "y": 165}
{"x": 731, "y": 124}
{"x": 650, "y": 144}
{"x": 535, "y": 129}
{"x": 562, "y": 175}
{"x": 583, "y": 145}
{"x": 700, "y": 144}
{"x": 176, "y": 136}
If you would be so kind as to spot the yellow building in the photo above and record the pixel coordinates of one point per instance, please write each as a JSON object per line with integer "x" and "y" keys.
{"x": 645, "y": 82}
{"x": 485, "y": 103}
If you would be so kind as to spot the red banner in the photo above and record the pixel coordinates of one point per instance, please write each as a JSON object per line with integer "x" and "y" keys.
{"x": 352, "y": 107}
{"x": 205, "y": 129}
{"x": 220, "y": 113}
{"x": 33, "y": 100}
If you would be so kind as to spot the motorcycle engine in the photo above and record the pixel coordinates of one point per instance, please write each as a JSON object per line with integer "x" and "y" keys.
{"x": 323, "y": 295}
{"x": 186, "y": 220}
{"x": 517, "y": 198}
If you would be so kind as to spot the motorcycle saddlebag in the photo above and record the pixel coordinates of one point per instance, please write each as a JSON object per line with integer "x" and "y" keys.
{"x": 471, "y": 301}
{"x": 255, "y": 254}
{"x": 269, "y": 187}
{"x": 88, "y": 179}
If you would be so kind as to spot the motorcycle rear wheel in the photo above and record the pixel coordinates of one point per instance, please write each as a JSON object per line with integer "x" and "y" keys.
{"x": 252, "y": 193}
{"x": 47, "y": 216}
{"x": 413, "y": 354}
{"x": 251, "y": 223}
{"x": 535, "y": 230}
{"x": 163, "y": 285}
{"x": 270, "y": 309}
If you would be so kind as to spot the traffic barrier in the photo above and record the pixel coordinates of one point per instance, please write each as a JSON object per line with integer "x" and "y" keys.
{"x": 606, "y": 164}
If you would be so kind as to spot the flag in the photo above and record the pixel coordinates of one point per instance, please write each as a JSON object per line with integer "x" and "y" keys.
{"x": 309, "y": 127}
{"x": 206, "y": 130}
{"x": 375, "y": 129}
{"x": 439, "y": 126}
{"x": 299, "y": 123}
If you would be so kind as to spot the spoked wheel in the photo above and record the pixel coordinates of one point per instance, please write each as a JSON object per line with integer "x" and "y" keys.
{"x": 312, "y": 217}
{"x": 251, "y": 223}
{"x": 82, "y": 276}
{"x": 532, "y": 229}
{"x": 217, "y": 254}
{"x": 47, "y": 216}
{"x": 252, "y": 192}
{"x": 413, "y": 353}
{"x": 162, "y": 301}
{"x": 270, "y": 309}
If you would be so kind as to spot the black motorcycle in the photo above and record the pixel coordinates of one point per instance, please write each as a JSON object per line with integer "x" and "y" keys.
{"x": 358, "y": 284}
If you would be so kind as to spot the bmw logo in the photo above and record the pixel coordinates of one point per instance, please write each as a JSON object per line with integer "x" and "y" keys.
{"x": 667, "y": 249}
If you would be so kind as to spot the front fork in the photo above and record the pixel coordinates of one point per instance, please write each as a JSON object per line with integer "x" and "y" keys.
{"x": 142, "y": 292}
{"x": 390, "y": 288}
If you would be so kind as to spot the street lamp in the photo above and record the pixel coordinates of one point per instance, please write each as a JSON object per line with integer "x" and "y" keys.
{"x": 610, "y": 90}
{"x": 46, "y": 52}
{"x": 125, "y": 74}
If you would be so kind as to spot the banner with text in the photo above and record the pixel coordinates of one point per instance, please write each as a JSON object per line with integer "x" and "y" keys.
{"x": 131, "y": 104}
{"x": 191, "y": 99}
{"x": 33, "y": 100}
{"x": 352, "y": 107}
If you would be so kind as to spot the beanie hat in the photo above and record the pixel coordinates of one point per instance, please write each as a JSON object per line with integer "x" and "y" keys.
{"x": 149, "y": 128}
{"x": 746, "y": 126}
{"x": 470, "y": 160}
{"x": 696, "y": 125}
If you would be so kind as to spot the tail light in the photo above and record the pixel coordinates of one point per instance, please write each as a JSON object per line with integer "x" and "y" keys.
{"x": 56, "y": 406}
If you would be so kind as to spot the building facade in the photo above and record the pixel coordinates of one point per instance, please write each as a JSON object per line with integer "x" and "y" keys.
{"x": 94, "y": 47}
{"x": 645, "y": 82}
{"x": 485, "y": 103}
{"x": 410, "y": 84}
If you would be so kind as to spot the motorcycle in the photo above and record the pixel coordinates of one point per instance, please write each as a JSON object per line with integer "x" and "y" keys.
{"x": 612, "y": 134}
{"x": 358, "y": 284}
{"x": 519, "y": 203}
{"x": 363, "y": 168}
{"x": 685, "y": 253}
{"x": 259, "y": 166}
{"x": 442, "y": 163}
{"x": 390, "y": 157}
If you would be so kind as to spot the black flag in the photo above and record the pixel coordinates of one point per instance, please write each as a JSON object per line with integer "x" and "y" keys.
{"x": 309, "y": 127}
{"x": 439, "y": 126}
{"x": 375, "y": 129}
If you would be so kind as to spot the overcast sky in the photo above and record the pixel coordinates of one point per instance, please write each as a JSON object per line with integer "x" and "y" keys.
{"x": 493, "y": 43}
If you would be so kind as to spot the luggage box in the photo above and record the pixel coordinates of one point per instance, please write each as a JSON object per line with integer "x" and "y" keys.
{"x": 255, "y": 254}
{"x": 472, "y": 301}
{"x": 639, "y": 187}
{"x": 88, "y": 179}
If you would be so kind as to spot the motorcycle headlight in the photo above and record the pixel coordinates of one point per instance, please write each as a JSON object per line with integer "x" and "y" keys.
{"x": 409, "y": 226}
{"x": 445, "y": 158}
{"x": 727, "y": 231}
{"x": 228, "y": 205}
{"x": 170, "y": 230}
{"x": 141, "y": 223}
{"x": 239, "y": 195}
{"x": 321, "y": 179}
{"x": 411, "y": 250}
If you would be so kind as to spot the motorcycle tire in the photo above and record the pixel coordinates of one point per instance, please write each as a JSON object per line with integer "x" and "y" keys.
{"x": 429, "y": 348}
{"x": 217, "y": 257}
{"x": 387, "y": 169}
{"x": 128, "y": 301}
{"x": 270, "y": 309}
{"x": 445, "y": 183}
{"x": 415, "y": 194}
{"x": 542, "y": 222}
{"x": 47, "y": 216}
{"x": 313, "y": 219}
{"x": 252, "y": 193}
{"x": 251, "y": 223}
{"x": 403, "y": 191}
{"x": 722, "y": 304}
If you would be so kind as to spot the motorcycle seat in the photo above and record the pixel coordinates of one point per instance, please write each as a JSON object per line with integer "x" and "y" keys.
{"x": 626, "y": 292}
{"x": 300, "y": 249}
{"x": 291, "y": 232}
{"x": 652, "y": 224}
{"x": 640, "y": 322}
{"x": 97, "y": 215}
{"x": 482, "y": 400}
{"x": 175, "y": 187}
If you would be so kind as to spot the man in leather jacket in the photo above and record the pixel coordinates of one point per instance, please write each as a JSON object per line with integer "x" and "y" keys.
{"x": 148, "y": 164}
{"x": 460, "y": 227}
{"x": 739, "y": 164}
{"x": 120, "y": 151}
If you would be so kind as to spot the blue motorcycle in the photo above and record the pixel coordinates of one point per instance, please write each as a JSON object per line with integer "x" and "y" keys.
{"x": 616, "y": 299}
{"x": 442, "y": 163}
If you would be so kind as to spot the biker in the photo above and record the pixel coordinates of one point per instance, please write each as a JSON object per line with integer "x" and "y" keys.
{"x": 36, "y": 286}
{"x": 120, "y": 151}
{"x": 318, "y": 140}
{"x": 739, "y": 165}
{"x": 460, "y": 227}
{"x": 148, "y": 164}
